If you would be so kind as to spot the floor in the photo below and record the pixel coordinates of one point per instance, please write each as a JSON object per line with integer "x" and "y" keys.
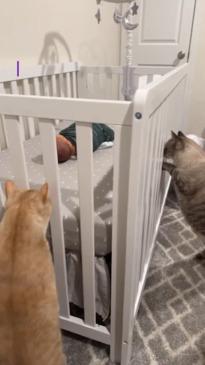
{"x": 170, "y": 327}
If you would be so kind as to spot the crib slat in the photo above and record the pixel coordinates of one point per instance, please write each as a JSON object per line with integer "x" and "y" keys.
{"x": 155, "y": 203}
{"x": 67, "y": 82}
{"x": 45, "y": 86}
{"x": 15, "y": 144}
{"x": 147, "y": 157}
{"x": 54, "y": 87}
{"x": 47, "y": 134}
{"x": 85, "y": 181}
{"x": 58, "y": 86}
{"x": 61, "y": 85}
{"x": 150, "y": 131}
{"x": 37, "y": 93}
{"x": 54, "y": 92}
{"x": 74, "y": 84}
{"x": 2, "y": 196}
{"x": 30, "y": 121}
{"x": 3, "y": 138}
{"x": 15, "y": 90}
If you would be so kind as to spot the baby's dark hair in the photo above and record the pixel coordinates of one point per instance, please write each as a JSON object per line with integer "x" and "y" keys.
{"x": 64, "y": 150}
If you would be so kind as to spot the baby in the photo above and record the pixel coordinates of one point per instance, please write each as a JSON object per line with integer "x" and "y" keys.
{"x": 66, "y": 139}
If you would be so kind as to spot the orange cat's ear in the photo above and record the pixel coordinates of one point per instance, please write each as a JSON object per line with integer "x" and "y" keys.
{"x": 44, "y": 192}
{"x": 10, "y": 187}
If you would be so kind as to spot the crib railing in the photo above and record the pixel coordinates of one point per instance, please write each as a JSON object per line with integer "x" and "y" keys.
{"x": 158, "y": 109}
{"x": 141, "y": 128}
{"x": 57, "y": 80}
{"x": 87, "y": 111}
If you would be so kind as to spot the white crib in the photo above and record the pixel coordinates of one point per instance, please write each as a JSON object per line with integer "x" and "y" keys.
{"x": 85, "y": 95}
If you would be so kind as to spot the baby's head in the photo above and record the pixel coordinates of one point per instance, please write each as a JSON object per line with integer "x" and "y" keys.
{"x": 65, "y": 149}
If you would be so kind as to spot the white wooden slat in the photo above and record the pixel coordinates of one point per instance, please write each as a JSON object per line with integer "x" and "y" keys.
{"x": 143, "y": 280}
{"x": 45, "y": 86}
{"x": 55, "y": 90}
{"x": 15, "y": 90}
{"x": 151, "y": 188}
{"x": 157, "y": 169}
{"x": 150, "y": 167}
{"x": 54, "y": 94}
{"x": 36, "y": 86}
{"x": 86, "y": 110}
{"x": 86, "y": 192}
{"x": 2, "y": 197}
{"x": 48, "y": 142}
{"x": 3, "y": 136}
{"x": 119, "y": 219}
{"x": 30, "y": 121}
{"x": 58, "y": 86}
{"x": 71, "y": 85}
{"x": 82, "y": 84}
{"x": 148, "y": 137}
{"x": 62, "y": 85}
{"x": 37, "y": 93}
{"x": 67, "y": 82}
{"x": 15, "y": 145}
{"x": 49, "y": 85}
{"x": 162, "y": 124}
{"x": 75, "y": 84}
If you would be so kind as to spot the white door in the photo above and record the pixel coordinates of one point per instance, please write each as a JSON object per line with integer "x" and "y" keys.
{"x": 164, "y": 32}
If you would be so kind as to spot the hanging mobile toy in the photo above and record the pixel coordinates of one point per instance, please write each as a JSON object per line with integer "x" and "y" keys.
{"x": 125, "y": 20}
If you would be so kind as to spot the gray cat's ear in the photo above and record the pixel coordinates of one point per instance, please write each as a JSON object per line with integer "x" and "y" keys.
{"x": 181, "y": 134}
{"x": 44, "y": 192}
{"x": 174, "y": 135}
{"x": 10, "y": 187}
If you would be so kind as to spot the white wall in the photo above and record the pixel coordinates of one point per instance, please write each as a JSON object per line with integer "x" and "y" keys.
{"x": 34, "y": 31}
{"x": 196, "y": 117}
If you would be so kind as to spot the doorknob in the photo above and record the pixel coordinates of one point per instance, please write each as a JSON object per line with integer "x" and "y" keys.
{"x": 181, "y": 55}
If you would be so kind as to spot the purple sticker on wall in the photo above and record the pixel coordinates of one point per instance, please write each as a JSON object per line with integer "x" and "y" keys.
{"x": 17, "y": 68}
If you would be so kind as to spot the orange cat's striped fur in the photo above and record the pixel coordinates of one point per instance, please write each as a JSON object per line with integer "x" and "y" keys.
{"x": 29, "y": 329}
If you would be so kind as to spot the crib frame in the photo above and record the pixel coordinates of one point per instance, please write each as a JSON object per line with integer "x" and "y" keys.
{"x": 139, "y": 189}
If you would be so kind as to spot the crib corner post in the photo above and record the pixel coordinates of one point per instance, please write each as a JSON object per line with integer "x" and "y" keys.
{"x": 120, "y": 199}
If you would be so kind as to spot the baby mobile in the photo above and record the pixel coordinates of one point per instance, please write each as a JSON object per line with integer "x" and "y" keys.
{"x": 126, "y": 21}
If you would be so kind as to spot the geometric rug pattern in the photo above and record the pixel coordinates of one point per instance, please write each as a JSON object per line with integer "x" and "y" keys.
{"x": 170, "y": 325}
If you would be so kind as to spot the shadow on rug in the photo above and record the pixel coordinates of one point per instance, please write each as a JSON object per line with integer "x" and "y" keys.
{"x": 170, "y": 326}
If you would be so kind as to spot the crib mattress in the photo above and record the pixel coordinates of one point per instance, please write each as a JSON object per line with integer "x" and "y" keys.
{"x": 103, "y": 173}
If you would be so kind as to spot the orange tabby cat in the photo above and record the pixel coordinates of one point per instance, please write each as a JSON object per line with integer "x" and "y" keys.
{"x": 29, "y": 329}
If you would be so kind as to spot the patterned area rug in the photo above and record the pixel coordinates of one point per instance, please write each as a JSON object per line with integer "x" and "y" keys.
{"x": 170, "y": 326}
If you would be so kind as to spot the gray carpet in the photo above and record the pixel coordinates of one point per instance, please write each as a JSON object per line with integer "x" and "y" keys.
{"x": 170, "y": 327}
